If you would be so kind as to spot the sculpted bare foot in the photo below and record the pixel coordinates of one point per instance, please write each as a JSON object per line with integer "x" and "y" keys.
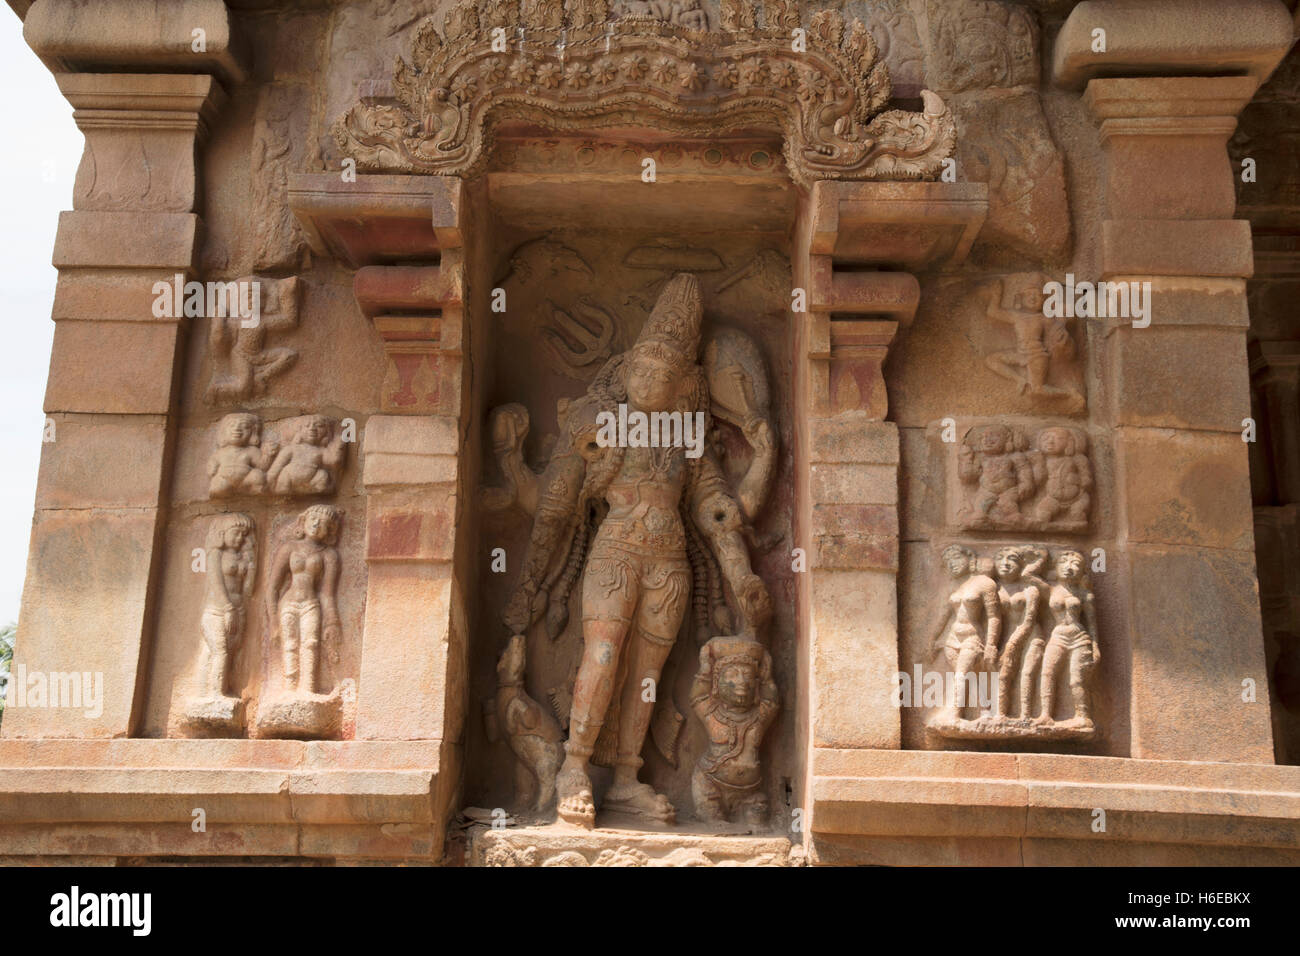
{"x": 573, "y": 787}
{"x": 640, "y": 799}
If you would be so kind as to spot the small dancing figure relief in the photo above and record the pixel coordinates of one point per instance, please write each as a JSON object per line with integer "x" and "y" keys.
{"x": 1044, "y": 345}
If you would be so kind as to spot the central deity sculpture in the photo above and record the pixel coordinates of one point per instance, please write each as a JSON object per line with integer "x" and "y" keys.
{"x": 653, "y": 510}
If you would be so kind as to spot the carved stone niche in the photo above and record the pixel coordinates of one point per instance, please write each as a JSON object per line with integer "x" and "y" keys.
{"x": 634, "y": 622}
{"x": 1006, "y": 475}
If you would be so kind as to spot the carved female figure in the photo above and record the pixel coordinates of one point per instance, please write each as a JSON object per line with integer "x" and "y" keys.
{"x": 1020, "y": 592}
{"x": 302, "y": 588}
{"x": 231, "y": 559}
{"x": 637, "y": 580}
{"x": 1073, "y": 640}
{"x": 972, "y": 625}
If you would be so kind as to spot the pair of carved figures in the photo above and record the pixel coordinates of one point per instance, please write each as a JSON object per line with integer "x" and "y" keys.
{"x": 244, "y": 464}
{"x": 1008, "y": 621}
{"x": 659, "y": 533}
{"x": 1010, "y": 483}
{"x": 301, "y": 607}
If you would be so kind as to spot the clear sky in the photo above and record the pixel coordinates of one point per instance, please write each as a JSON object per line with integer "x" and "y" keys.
{"x": 38, "y": 162}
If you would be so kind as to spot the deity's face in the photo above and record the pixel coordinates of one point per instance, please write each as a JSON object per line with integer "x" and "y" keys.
{"x": 651, "y": 382}
{"x": 957, "y": 562}
{"x": 994, "y": 441}
{"x": 1033, "y": 299}
{"x": 1069, "y": 566}
{"x": 235, "y": 537}
{"x": 1008, "y": 564}
{"x": 738, "y": 685}
{"x": 1053, "y": 441}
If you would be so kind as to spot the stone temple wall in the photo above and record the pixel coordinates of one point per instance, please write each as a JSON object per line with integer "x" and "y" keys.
{"x": 976, "y": 320}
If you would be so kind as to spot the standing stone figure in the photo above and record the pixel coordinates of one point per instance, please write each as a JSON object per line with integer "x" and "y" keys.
{"x": 1021, "y": 594}
{"x": 970, "y": 627}
{"x": 230, "y": 555}
{"x": 637, "y": 581}
{"x": 1073, "y": 642}
{"x": 231, "y": 558}
{"x": 736, "y": 699}
{"x": 302, "y": 587}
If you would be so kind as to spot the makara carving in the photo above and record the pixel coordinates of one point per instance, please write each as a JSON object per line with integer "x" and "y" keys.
{"x": 665, "y": 72}
{"x": 1011, "y": 639}
{"x": 642, "y": 534}
{"x": 1012, "y": 479}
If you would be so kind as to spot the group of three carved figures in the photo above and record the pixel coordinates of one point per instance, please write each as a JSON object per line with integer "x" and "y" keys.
{"x": 1014, "y": 624}
{"x": 649, "y": 527}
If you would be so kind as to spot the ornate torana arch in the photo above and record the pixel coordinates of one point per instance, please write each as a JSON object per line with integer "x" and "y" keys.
{"x": 569, "y": 68}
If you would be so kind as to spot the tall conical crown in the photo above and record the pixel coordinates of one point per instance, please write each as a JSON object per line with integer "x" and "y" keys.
{"x": 673, "y": 330}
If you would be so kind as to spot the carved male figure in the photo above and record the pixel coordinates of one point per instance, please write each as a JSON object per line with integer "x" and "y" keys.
{"x": 736, "y": 699}
{"x": 1073, "y": 641}
{"x": 249, "y": 364}
{"x": 231, "y": 559}
{"x": 1040, "y": 341}
{"x": 302, "y": 588}
{"x": 1001, "y": 472}
{"x": 239, "y": 464}
{"x": 307, "y": 465}
{"x": 969, "y": 629}
{"x": 1062, "y": 470}
{"x": 637, "y": 580}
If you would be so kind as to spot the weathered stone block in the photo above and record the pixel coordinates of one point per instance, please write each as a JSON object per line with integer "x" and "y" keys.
{"x": 122, "y": 367}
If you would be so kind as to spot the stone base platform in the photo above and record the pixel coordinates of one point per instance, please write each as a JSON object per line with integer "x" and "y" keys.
{"x": 1013, "y": 728}
{"x": 559, "y": 844}
{"x": 117, "y": 801}
{"x": 889, "y": 807}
